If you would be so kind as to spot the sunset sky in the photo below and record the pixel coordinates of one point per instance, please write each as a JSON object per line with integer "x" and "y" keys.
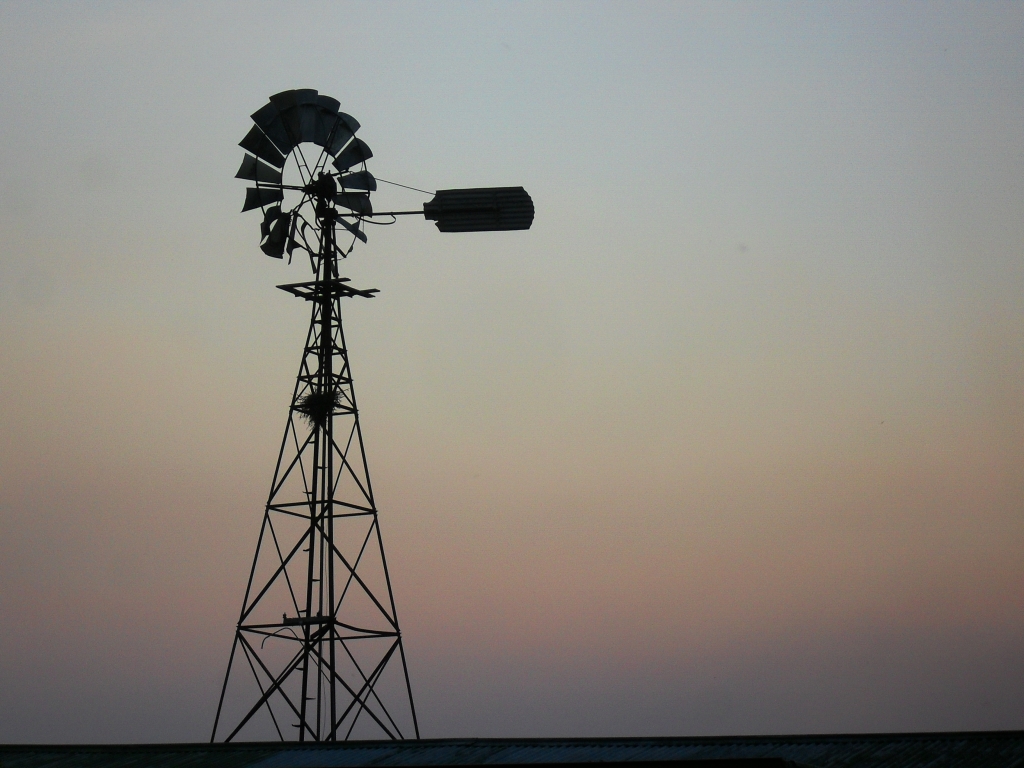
{"x": 731, "y": 441}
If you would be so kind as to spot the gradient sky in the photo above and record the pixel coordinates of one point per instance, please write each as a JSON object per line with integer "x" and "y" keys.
{"x": 732, "y": 441}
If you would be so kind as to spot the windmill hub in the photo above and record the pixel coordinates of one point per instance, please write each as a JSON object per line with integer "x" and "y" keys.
{"x": 324, "y": 188}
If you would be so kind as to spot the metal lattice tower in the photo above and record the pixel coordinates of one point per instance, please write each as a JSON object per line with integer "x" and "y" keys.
{"x": 317, "y": 652}
{"x": 318, "y": 626}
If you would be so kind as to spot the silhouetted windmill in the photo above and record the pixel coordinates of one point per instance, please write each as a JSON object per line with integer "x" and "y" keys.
{"x": 318, "y": 652}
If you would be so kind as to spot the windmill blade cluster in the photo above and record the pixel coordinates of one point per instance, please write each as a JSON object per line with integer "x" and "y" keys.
{"x": 293, "y": 117}
{"x": 289, "y": 119}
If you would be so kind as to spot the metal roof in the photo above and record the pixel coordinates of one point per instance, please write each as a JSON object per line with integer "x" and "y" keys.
{"x": 977, "y": 749}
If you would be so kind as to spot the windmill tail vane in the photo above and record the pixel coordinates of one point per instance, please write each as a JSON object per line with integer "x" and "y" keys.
{"x": 317, "y": 653}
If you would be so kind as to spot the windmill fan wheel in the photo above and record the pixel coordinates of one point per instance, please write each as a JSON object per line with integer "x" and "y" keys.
{"x": 308, "y": 171}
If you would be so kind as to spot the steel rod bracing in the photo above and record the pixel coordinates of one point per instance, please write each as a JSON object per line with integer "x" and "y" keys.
{"x": 318, "y": 653}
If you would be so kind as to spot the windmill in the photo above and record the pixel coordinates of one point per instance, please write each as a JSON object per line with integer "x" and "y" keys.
{"x": 317, "y": 653}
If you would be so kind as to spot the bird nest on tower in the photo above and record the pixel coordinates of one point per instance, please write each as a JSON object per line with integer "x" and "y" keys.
{"x": 317, "y": 405}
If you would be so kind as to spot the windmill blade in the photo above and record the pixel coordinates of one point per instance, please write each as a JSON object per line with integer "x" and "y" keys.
{"x": 257, "y": 197}
{"x": 277, "y": 235}
{"x": 328, "y": 114}
{"x": 350, "y": 122}
{"x": 295, "y": 116}
{"x": 258, "y": 144}
{"x": 489, "y": 209}
{"x": 358, "y": 203}
{"x": 359, "y": 180}
{"x": 309, "y": 118}
{"x": 355, "y": 153}
{"x": 254, "y": 170}
{"x": 340, "y": 136}
{"x": 284, "y": 100}
{"x": 269, "y": 121}
{"x": 298, "y": 112}
{"x": 300, "y": 122}
{"x": 294, "y": 98}
{"x": 274, "y": 250}
{"x": 327, "y": 104}
{"x": 343, "y": 131}
{"x": 325, "y": 127}
{"x": 353, "y": 228}
{"x": 269, "y": 217}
